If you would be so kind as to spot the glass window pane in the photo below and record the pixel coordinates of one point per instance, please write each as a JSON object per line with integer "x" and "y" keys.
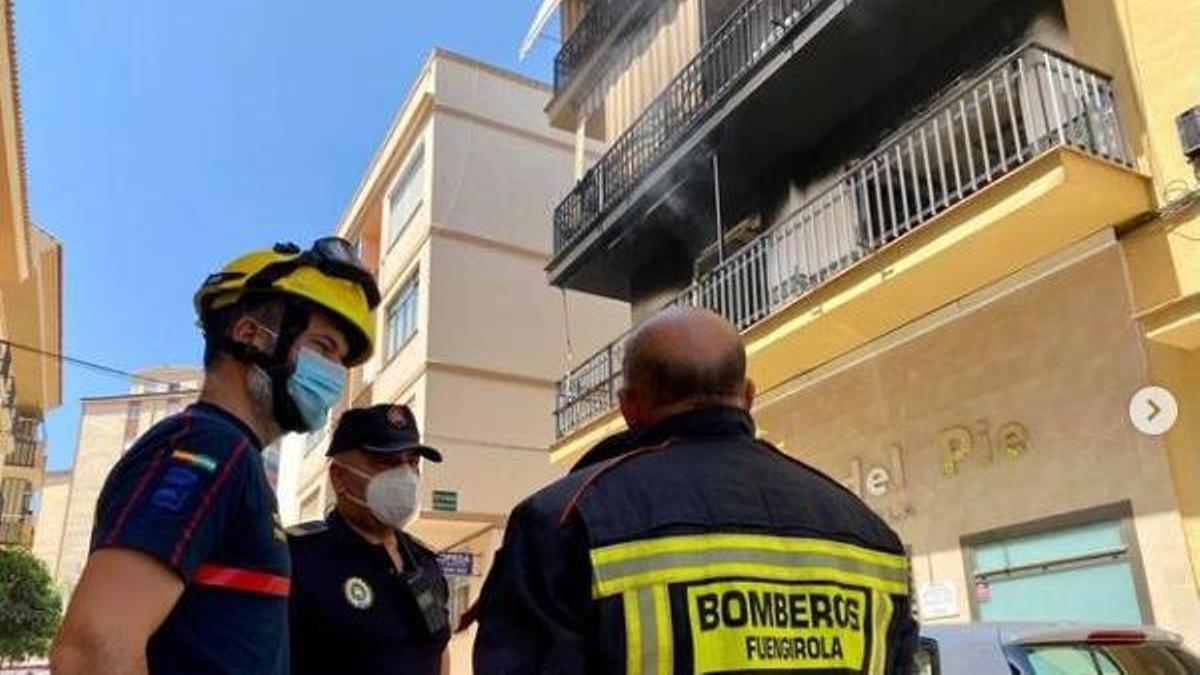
{"x": 402, "y": 316}
{"x": 1066, "y": 595}
{"x": 1049, "y": 546}
{"x": 407, "y": 195}
{"x": 1061, "y": 660}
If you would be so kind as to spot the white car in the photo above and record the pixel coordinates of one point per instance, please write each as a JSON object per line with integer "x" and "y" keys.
{"x": 1051, "y": 649}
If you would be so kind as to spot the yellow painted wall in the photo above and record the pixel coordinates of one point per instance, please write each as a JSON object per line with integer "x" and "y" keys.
{"x": 1055, "y": 352}
{"x": 1179, "y": 371}
{"x": 1153, "y": 48}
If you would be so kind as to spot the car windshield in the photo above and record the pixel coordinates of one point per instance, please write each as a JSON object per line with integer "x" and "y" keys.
{"x": 1085, "y": 659}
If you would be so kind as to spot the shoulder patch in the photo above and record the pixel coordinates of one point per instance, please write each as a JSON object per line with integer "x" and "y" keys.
{"x": 306, "y": 529}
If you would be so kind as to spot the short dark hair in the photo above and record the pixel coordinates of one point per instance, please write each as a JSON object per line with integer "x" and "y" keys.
{"x": 664, "y": 379}
{"x": 216, "y": 324}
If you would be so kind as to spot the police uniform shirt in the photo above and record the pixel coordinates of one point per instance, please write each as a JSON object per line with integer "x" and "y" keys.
{"x": 192, "y": 494}
{"x": 351, "y": 611}
{"x": 692, "y": 548}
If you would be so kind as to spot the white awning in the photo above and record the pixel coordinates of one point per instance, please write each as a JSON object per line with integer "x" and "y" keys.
{"x": 539, "y": 24}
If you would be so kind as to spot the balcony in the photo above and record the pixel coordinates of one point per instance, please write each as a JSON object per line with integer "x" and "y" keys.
{"x": 27, "y": 443}
{"x": 745, "y": 40}
{"x": 774, "y": 82}
{"x": 1034, "y": 139}
{"x": 16, "y": 530}
{"x": 600, "y": 26}
{"x": 16, "y": 524}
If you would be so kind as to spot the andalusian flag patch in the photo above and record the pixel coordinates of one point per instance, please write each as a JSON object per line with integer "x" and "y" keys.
{"x": 195, "y": 459}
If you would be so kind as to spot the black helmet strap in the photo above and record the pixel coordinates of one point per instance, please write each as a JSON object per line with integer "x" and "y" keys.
{"x": 277, "y": 365}
{"x": 296, "y": 316}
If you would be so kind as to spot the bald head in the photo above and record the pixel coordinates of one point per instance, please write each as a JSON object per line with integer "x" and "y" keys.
{"x": 682, "y": 359}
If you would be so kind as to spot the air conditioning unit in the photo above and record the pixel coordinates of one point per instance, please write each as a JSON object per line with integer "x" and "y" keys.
{"x": 1189, "y": 133}
{"x": 735, "y": 238}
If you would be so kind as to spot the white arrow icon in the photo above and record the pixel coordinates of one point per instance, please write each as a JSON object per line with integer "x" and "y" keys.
{"x": 1153, "y": 410}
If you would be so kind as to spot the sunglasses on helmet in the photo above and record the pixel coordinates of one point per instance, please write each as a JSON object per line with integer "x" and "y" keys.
{"x": 333, "y": 256}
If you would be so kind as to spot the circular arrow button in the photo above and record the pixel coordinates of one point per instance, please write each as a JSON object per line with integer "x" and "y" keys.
{"x": 1153, "y": 410}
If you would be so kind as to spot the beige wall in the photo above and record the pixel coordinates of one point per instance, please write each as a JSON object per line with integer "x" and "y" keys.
{"x": 493, "y": 96}
{"x": 483, "y": 425}
{"x": 491, "y": 309}
{"x": 101, "y": 442}
{"x": 51, "y": 517}
{"x": 471, "y": 152}
{"x": 1061, "y": 357}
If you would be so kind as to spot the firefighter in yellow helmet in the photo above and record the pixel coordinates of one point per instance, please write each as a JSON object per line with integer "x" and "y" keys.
{"x": 189, "y": 570}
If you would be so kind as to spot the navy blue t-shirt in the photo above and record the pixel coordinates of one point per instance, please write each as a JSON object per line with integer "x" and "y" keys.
{"x": 192, "y": 494}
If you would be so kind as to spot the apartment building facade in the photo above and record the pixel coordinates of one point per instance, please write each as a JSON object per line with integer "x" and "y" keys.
{"x": 450, "y": 216}
{"x": 50, "y": 518}
{"x": 959, "y": 238}
{"x": 30, "y": 316}
{"x": 108, "y": 426}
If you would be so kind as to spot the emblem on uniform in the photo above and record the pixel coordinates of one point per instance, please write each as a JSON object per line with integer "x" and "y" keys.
{"x": 396, "y": 416}
{"x": 358, "y": 593}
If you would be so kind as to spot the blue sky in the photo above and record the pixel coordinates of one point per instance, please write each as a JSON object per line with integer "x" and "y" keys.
{"x": 161, "y": 142}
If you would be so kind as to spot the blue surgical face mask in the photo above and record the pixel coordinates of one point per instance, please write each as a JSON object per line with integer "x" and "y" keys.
{"x": 315, "y": 386}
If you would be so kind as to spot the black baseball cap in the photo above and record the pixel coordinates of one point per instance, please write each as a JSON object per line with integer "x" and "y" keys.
{"x": 385, "y": 429}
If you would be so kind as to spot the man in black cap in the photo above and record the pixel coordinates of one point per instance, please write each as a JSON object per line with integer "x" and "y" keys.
{"x": 367, "y": 597}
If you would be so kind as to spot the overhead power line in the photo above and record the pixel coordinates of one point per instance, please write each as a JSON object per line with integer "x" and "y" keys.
{"x": 91, "y": 365}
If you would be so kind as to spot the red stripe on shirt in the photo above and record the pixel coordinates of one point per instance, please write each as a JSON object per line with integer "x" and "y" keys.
{"x": 238, "y": 579}
{"x": 207, "y": 502}
{"x": 146, "y": 476}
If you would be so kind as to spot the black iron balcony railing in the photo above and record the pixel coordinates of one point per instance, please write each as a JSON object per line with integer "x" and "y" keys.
{"x": 13, "y": 529}
{"x": 742, "y": 43}
{"x": 1032, "y": 101}
{"x": 8, "y": 388}
{"x": 601, "y": 19}
{"x": 27, "y": 442}
{"x": 6, "y": 359}
{"x": 25, "y": 454}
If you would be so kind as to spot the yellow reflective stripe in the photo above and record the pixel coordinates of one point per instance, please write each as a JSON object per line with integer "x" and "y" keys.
{"x": 606, "y": 587}
{"x": 633, "y": 634}
{"x": 662, "y": 621}
{"x": 629, "y": 568}
{"x": 649, "y": 626}
{"x": 882, "y": 621}
{"x": 717, "y": 542}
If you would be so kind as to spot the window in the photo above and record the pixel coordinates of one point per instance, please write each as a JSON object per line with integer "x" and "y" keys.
{"x": 406, "y": 196}
{"x": 402, "y": 316}
{"x": 1051, "y": 575}
{"x": 1108, "y": 659}
{"x": 16, "y": 496}
{"x": 132, "y": 420}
